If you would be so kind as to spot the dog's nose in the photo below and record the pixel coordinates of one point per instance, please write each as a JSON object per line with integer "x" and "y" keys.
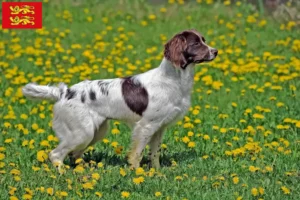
{"x": 214, "y": 51}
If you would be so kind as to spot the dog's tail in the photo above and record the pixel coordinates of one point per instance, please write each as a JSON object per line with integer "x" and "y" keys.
{"x": 41, "y": 92}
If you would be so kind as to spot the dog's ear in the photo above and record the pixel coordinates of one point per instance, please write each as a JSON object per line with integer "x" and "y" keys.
{"x": 174, "y": 50}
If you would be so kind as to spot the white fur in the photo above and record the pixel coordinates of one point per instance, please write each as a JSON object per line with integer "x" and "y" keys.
{"x": 79, "y": 125}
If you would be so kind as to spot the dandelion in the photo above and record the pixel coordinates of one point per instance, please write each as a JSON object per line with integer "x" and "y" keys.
{"x": 114, "y": 144}
{"x": 125, "y": 194}
{"x": 50, "y": 191}
{"x": 139, "y": 171}
{"x": 95, "y": 176}
{"x": 285, "y": 190}
{"x": 42, "y": 156}
{"x": 235, "y": 180}
{"x": 185, "y": 139}
{"x": 138, "y": 180}
{"x": 115, "y": 131}
{"x": 98, "y": 194}
{"x": 88, "y": 186}
{"x": 191, "y": 144}
{"x": 206, "y": 137}
{"x": 2, "y": 156}
{"x": 152, "y": 17}
{"x": 261, "y": 190}
{"x": 254, "y": 192}
{"x": 253, "y": 168}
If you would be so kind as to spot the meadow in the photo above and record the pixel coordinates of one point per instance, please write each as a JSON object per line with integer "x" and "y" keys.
{"x": 239, "y": 140}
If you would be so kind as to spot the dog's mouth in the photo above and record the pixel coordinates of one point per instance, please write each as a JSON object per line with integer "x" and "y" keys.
{"x": 204, "y": 60}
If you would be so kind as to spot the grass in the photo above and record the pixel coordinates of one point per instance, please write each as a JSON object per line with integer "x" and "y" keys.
{"x": 240, "y": 138}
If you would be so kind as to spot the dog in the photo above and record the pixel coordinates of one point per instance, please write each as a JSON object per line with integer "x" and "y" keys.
{"x": 148, "y": 102}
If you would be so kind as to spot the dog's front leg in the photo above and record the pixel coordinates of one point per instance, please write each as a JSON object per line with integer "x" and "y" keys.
{"x": 142, "y": 133}
{"x": 155, "y": 145}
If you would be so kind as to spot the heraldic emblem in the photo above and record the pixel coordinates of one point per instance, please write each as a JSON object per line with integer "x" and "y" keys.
{"x": 22, "y": 15}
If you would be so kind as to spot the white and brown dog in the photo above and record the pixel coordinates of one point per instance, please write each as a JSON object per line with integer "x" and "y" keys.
{"x": 148, "y": 102}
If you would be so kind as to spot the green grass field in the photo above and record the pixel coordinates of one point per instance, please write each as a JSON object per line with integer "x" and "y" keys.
{"x": 240, "y": 139}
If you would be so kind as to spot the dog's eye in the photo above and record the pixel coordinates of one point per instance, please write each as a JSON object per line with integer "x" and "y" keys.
{"x": 196, "y": 44}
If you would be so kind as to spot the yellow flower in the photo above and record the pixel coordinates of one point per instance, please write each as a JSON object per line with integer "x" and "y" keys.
{"x": 114, "y": 144}
{"x": 269, "y": 169}
{"x": 164, "y": 146}
{"x": 99, "y": 194}
{"x": 258, "y": 116}
{"x": 285, "y": 190}
{"x": 185, "y": 139}
{"x": 163, "y": 10}
{"x": 125, "y": 194}
{"x": 63, "y": 194}
{"x": 115, "y": 131}
{"x": 27, "y": 196}
{"x": 223, "y": 130}
{"x": 100, "y": 165}
{"x": 24, "y": 116}
{"x": 191, "y": 144}
{"x": 138, "y": 180}
{"x": 42, "y": 156}
{"x": 254, "y": 192}
{"x": 96, "y": 176}
{"x": 34, "y": 126}
{"x": 15, "y": 172}
{"x": 206, "y": 137}
{"x": 45, "y": 143}
{"x": 235, "y": 180}
{"x": 79, "y": 169}
{"x": 139, "y": 171}
{"x": 152, "y": 17}
{"x": 2, "y": 156}
{"x": 298, "y": 124}
{"x": 227, "y": 2}
{"x": 157, "y": 194}
{"x": 144, "y": 23}
{"x": 122, "y": 172}
{"x": 88, "y": 185}
{"x": 105, "y": 141}
{"x": 9, "y": 140}
{"x": 50, "y": 191}
{"x": 261, "y": 190}
{"x": 190, "y": 133}
{"x": 253, "y": 168}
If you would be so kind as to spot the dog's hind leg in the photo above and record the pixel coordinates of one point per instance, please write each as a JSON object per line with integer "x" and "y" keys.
{"x": 99, "y": 134}
{"x": 74, "y": 127}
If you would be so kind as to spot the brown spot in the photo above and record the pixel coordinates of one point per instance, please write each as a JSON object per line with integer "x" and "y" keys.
{"x": 135, "y": 95}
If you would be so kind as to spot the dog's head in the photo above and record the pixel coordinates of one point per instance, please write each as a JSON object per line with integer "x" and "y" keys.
{"x": 188, "y": 47}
